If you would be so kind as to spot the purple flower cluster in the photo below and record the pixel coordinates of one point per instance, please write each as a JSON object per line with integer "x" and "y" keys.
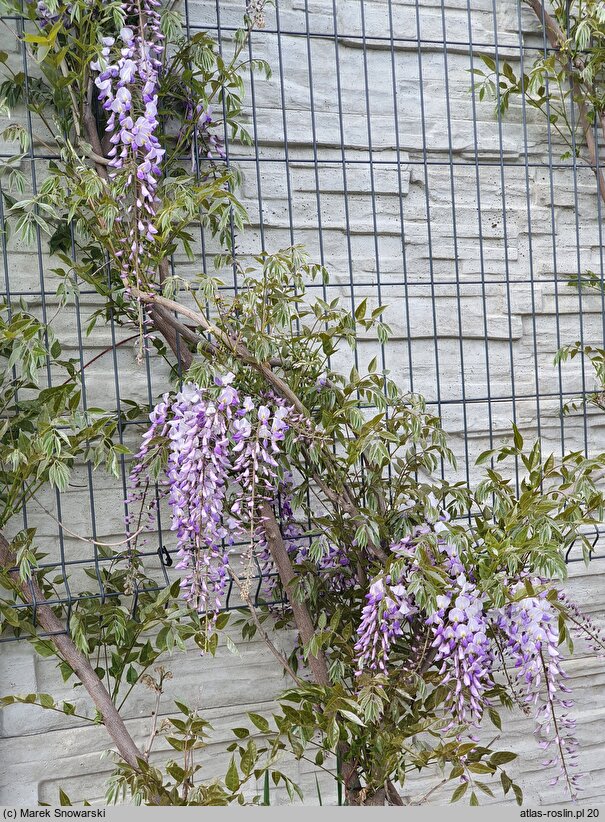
{"x": 198, "y": 468}
{"x": 387, "y": 610}
{"x": 334, "y": 565}
{"x": 222, "y": 463}
{"x": 529, "y": 626}
{"x": 460, "y": 627}
{"x": 128, "y": 90}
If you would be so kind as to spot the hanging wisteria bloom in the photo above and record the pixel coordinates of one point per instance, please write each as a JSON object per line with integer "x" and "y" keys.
{"x": 532, "y": 639}
{"x": 387, "y": 610}
{"x": 460, "y": 628}
{"x": 222, "y": 464}
{"x": 128, "y": 90}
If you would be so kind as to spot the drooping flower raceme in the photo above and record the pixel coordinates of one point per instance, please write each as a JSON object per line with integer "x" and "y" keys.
{"x": 388, "y": 608}
{"x": 460, "y": 627}
{"x": 198, "y": 469}
{"x": 222, "y": 464}
{"x": 128, "y": 91}
{"x": 532, "y": 639}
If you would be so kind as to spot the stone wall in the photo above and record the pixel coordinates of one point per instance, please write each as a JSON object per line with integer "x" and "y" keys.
{"x": 371, "y": 151}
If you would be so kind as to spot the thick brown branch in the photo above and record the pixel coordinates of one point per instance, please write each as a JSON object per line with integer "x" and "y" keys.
{"x": 32, "y": 594}
{"x": 164, "y": 322}
{"x": 393, "y": 794}
{"x": 302, "y": 617}
{"x": 235, "y": 346}
{"x": 306, "y": 629}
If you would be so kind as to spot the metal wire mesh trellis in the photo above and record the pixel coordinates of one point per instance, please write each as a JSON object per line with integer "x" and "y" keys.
{"x": 371, "y": 149}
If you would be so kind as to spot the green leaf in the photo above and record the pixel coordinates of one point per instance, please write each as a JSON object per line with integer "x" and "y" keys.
{"x": 495, "y": 718}
{"x": 480, "y": 767}
{"x": 260, "y": 722}
{"x": 182, "y": 707}
{"x": 352, "y": 717}
{"x": 360, "y": 311}
{"x": 485, "y": 788}
{"x": 61, "y": 239}
{"x": 58, "y": 475}
{"x": 232, "y": 777}
{"x": 221, "y": 621}
{"x": 484, "y": 456}
{"x": 459, "y": 792}
{"x": 248, "y": 759}
{"x": 231, "y": 646}
{"x": 502, "y": 757}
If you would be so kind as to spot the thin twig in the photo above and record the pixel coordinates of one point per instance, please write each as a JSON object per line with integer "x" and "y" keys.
{"x": 154, "y": 723}
{"x": 90, "y": 541}
{"x": 268, "y": 641}
{"x": 422, "y": 799}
